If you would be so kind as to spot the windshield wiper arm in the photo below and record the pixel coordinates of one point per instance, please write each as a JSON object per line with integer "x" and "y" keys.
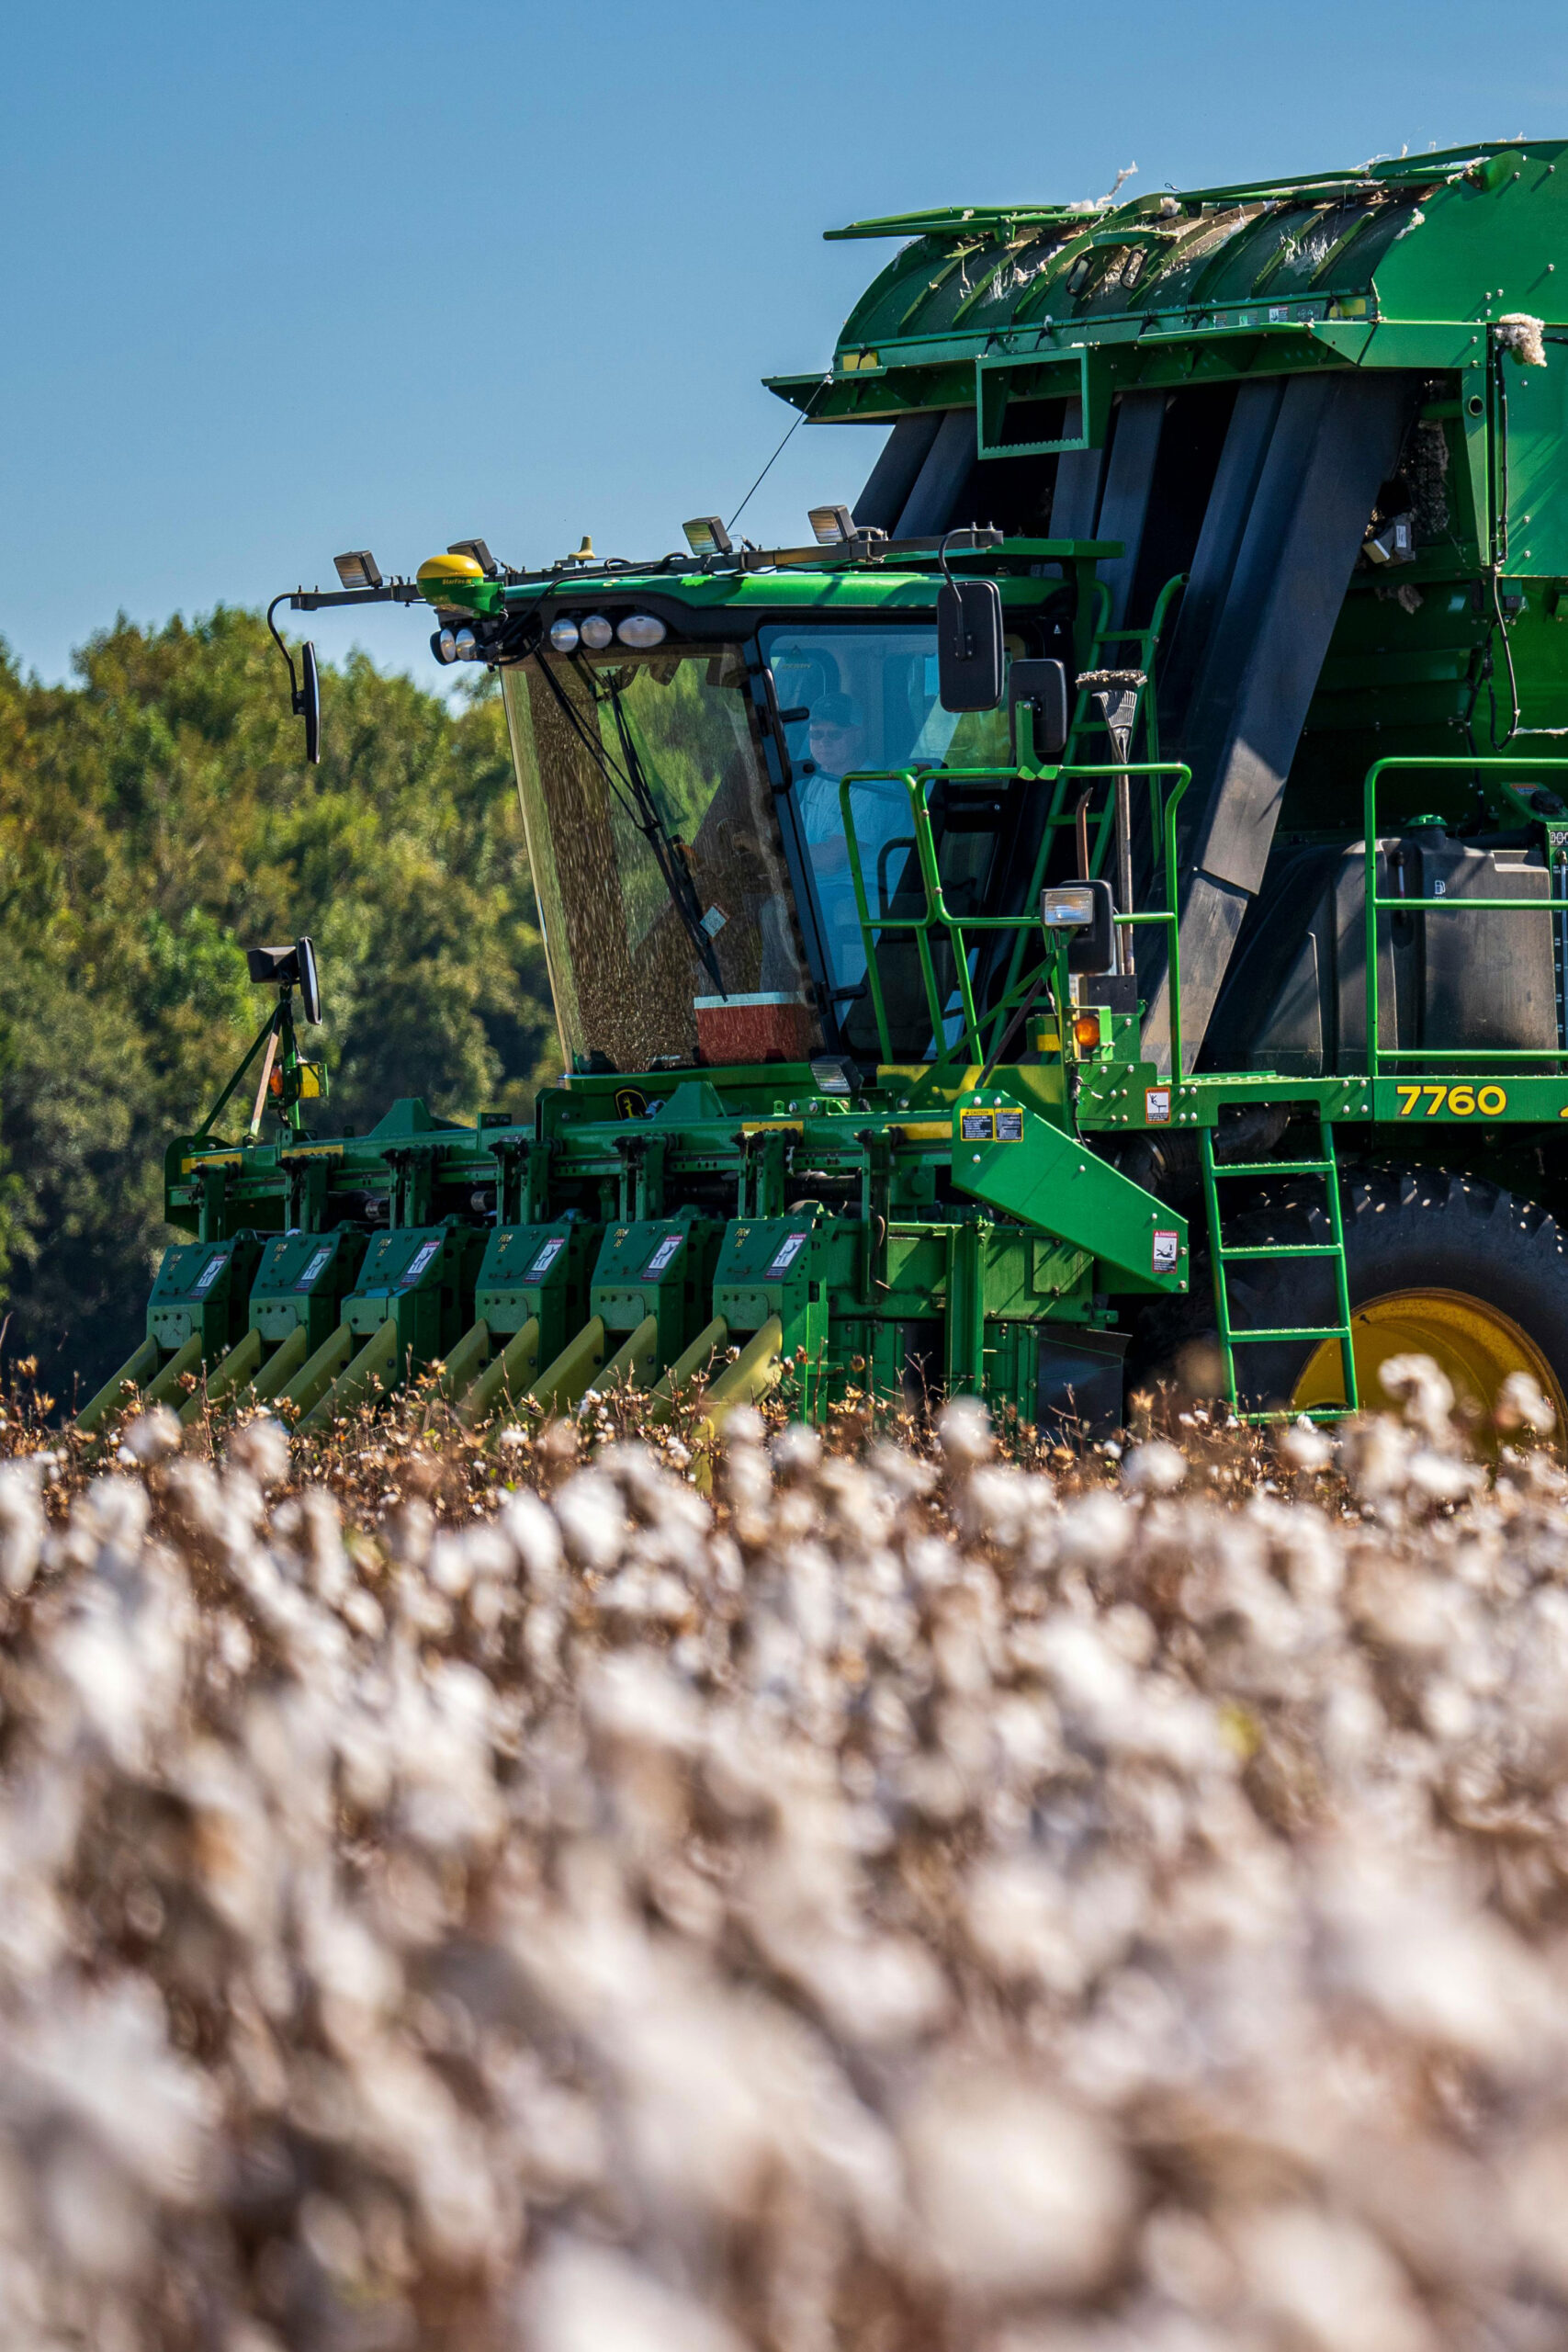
{"x": 669, "y": 850}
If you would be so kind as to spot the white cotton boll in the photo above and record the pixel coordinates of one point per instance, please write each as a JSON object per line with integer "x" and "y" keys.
{"x": 152, "y": 1436}
{"x": 963, "y": 1428}
{"x": 1535, "y": 2188}
{"x": 261, "y": 1447}
{"x": 1094, "y": 1534}
{"x": 1375, "y": 1452}
{"x": 996, "y": 1504}
{"x": 452, "y": 1564}
{"x": 1525, "y": 336}
{"x": 1027, "y": 1733}
{"x": 1018, "y": 1920}
{"x": 111, "y": 1516}
{"x": 743, "y": 1426}
{"x": 589, "y": 2299}
{"x": 904, "y": 1475}
{"x": 875, "y": 1992}
{"x": 1015, "y": 2193}
{"x": 1305, "y": 1447}
{"x": 1327, "y": 2283}
{"x": 592, "y": 1518}
{"x": 1520, "y": 1405}
{"x": 100, "y": 2061}
{"x": 1425, "y": 1390}
{"x": 797, "y": 1450}
{"x": 1452, "y": 1977}
{"x": 1441, "y": 1480}
{"x": 238, "y": 1861}
{"x": 98, "y": 2222}
{"x": 326, "y": 1559}
{"x": 530, "y": 1529}
{"x": 633, "y": 1701}
{"x": 1131, "y": 1632}
{"x": 1155, "y": 1468}
{"x": 22, "y": 1525}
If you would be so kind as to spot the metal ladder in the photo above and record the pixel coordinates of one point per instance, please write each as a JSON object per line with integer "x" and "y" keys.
{"x": 1227, "y": 1256}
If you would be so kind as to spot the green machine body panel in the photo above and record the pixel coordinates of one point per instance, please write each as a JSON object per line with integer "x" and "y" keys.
{"x": 422, "y": 1277}
{"x": 301, "y": 1282}
{"x": 201, "y": 1293}
{"x": 538, "y": 1270}
{"x": 661, "y": 1267}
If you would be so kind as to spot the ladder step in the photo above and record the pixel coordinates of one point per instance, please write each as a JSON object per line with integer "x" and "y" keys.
{"x": 1278, "y": 1413}
{"x": 1274, "y": 1166}
{"x": 1284, "y": 1249}
{"x": 1307, "y": 1331}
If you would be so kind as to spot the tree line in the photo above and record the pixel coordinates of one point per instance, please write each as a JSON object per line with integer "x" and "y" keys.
{"x": 156, "y": 819}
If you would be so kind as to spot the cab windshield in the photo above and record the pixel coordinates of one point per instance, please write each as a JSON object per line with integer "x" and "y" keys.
{"x": 663, "y": 860}
{"x": 657, "y": 854}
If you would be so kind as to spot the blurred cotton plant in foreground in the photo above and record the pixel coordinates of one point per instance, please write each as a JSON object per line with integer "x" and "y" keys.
{"x": 903, "y": 1901}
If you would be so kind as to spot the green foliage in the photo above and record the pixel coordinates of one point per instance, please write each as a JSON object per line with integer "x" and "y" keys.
{"x": 155, "y": 820}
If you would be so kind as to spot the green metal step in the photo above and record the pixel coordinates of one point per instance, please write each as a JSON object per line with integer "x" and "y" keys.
{"x": 1274, "y": 1167}
{"x": 1302, "y": 1331}
{"x": 1285, "y": 1249}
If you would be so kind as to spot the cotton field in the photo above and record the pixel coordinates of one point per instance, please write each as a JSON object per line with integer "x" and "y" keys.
{"x": 902, "y": 1901}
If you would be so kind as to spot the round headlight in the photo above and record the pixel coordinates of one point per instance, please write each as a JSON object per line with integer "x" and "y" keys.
{"x": 444, "y": 645}
{"x": 563, "y": 636}
{"x": 596, "y": 632}
{"x": 641, "y": 630}
{"x": 467, "y": 645}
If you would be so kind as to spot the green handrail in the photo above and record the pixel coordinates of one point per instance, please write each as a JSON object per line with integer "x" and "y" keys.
{"x": 1501, "y": 767}
{"x": 918, "y": 785}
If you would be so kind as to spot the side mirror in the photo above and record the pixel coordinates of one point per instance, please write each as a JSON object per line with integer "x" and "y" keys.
{"x": 307, "y": 702}
{"x": 1041, "y": 688}
{"x": 289, "y": 967}
{"x": 310, "y": 978}
{"x": 304, "y": 691}
{"x": 969, "y": 645}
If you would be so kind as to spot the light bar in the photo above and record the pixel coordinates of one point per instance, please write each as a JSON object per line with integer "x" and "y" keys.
{"x": 705, "y": 535}
{"x": 358, "y": 569}
{"x": 831, "y": 525}
{"x": 481, "y": 553}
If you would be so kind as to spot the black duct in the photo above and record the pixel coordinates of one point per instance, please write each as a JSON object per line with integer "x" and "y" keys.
{"x": 934, "y": 496}
{"x": 890, "y": 480}
{"x": 1297, "y": 480}
{"x": 1129, "y": 484}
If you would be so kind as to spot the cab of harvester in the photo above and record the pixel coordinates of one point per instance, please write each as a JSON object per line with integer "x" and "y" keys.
{"x": 1142, "y": 805}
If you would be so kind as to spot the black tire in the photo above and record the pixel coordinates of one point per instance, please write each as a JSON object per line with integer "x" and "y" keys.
{"x": 1406, "y": 1229}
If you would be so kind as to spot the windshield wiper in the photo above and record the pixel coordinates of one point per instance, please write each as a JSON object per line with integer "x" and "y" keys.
{"x": 669, "y": 850}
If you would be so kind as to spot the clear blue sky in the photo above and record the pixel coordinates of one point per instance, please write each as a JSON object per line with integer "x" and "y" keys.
{"x": 281, "y": 280}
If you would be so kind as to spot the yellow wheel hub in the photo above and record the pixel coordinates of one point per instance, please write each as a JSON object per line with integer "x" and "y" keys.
{"x": 1476, "y": 1346}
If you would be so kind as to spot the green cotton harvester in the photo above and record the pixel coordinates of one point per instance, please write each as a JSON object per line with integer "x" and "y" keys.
{"x": 1108, "y": 892}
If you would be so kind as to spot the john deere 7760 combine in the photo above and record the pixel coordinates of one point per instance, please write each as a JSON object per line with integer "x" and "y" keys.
{"x": 1109, "y": 886}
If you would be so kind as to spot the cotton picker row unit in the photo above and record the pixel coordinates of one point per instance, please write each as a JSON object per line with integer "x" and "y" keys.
{"x": 1107, "y": 888}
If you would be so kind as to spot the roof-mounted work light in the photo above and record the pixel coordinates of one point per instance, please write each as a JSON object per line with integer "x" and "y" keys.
{"x": 831, "y": 525}
{"x": 705, "y": 535}
{"x": 358, "y": 569}
{"x": 480, "y": 554}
